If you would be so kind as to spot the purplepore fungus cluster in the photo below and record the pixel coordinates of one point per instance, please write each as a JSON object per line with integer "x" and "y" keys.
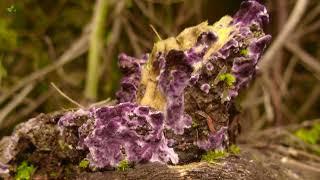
{"x": 216, "y": 61}
{"x": 177, "y": 102}
{"x": 123, "y": 132}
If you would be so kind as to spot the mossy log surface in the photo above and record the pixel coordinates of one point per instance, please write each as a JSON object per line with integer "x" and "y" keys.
{"x": 232, "y": 167}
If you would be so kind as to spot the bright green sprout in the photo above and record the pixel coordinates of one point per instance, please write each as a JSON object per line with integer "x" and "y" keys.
{"x": 24, "y": 171}
{"x": 123, "y": 165}
{"x": 311, "y": 136}
{"x": 12, "y": 9}
{"x": 84, "y": 164}
{"x": 234, "y": 149}
{"x": 244, "y": 52}
{"x": 212, "y": 156}
{"x": 228, "y": 78}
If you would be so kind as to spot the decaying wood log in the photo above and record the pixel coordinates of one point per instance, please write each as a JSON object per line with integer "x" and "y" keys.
{"x": 235, "y": 167}
{"x": 174, "y": 104}
{"x": 39, "y": 142}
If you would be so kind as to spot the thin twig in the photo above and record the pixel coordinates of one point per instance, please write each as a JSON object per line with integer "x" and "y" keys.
{"x": 301, "y": 165}
{"x": 15, "y": 102}
{"x": 293, "y": 152}
{"x": 151, "y": 16}
{"x": 52, "y": 54}
{"x": 309, "y": 29}
{"x": 51, "y": 50}
{"x": 282, "y": 15}
{"x": 310, "y": 101}
{"x": 268, "y": 106}
{"x": 19, "y": 116}
{"x": 271, "y": 88}
{"x": 210, "y": 121}
{"x": 305, "y": 57}
{"x": 312, "y": 15}
{"x": 65, "y": 96}
{"x": 287, "y": 75}
{"x": 105, "y": 102}
{"x": 139, "y": 25}
{"x": 156, "y": 32}
{"x": 78, "y": 48}
{"x": 132, "y": 37}
{"x": 282, "y": 37}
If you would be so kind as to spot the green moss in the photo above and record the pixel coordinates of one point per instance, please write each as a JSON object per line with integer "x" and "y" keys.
{"x": 234, "y": 149}
{"x": 244, "y": 52}
{"x": 24, "y": 171}
{"x": 228, "y": 78}
{"x": 123, "y": 165}
{"x": 257, "y": 33}
{"x": 212, "y": 156}
{"x": 84, "y": 163}
{"x": 12, "y": 9}
{"x": 311, "y": 136}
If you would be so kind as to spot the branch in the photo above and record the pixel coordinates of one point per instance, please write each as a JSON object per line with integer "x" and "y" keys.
{"x": 96, "y": 43}
{"x": 310, "y": 101}
{"x": 287, "y": 75}
{"x": 15, "y": 102}
{"x": 66, "y": 96}
{"x": 112, "y": 40}
{"x": 150, "y": 14}
{"x": 306, "y": 58}
{"x": 294, "y": 19}
{"x": 26, "y": 111}
{"x": 132, "y": 38}
{"x": 77, "y": 49}
{"x": 309, "y": 29}
{"x": 311, "y": 15}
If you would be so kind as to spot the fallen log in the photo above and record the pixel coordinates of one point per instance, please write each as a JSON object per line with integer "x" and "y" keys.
{"x": 174, "y": 105}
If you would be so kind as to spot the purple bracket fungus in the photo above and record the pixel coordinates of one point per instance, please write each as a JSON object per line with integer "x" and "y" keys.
{"x": 131, "y": 67}
{"x": 127, "y": 131}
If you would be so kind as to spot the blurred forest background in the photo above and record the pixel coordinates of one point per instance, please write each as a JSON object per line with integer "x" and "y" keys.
{"x": 44, "y": 41}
